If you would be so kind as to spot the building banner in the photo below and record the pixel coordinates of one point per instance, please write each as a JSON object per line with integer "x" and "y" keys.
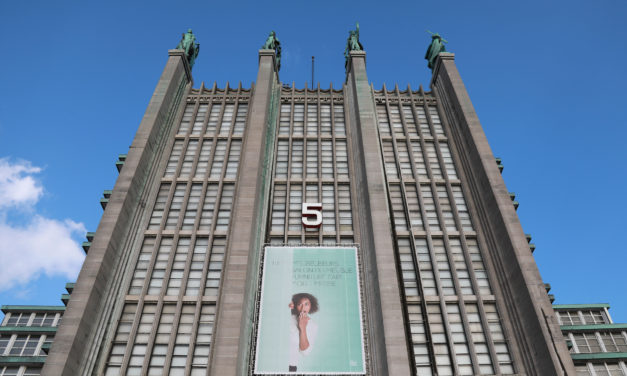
{"x": 310, "y": 313}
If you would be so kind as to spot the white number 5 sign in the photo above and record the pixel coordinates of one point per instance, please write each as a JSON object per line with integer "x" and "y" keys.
{"x": 312, "y": 214}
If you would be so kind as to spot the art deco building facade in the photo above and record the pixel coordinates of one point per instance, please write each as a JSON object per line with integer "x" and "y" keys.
{"x": 172, "y": 281}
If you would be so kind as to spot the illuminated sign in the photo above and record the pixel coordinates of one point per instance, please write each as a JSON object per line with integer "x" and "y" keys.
{"x": 310, "y": 318}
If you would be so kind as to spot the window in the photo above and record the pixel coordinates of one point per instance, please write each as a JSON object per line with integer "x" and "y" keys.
{"x": 157, "y": 211}
{"x": 312, "y": 159}
{"x": 403, "y": 159}
{"x": 187, "y": 118}
{"x": 594, "y": 317}
{"x": 382, "y": 118}
{"x": 425, "y": 267}
{"x": 218, "y": 160}
{"x": 477, "y": 265}
{"x": 312, "y": 119}
{"x": 444, "y": 269}
{"x": 448, "y": 161}
{"x": 432, "y": 157}
{"x": 409, "y": 121}
{"x": 281, "y": 163}
{"x": 419, "y": 340}
{"x": 240, "y": 119}
{"x": 175, "y": 206}
{"x": 462, "y": 209}
{"x": 178, "y": 267}
{"x": 413, "y": 207}
{"x": 498, "y": 338}
{"x": 445, "y": 207}
{"x": 435, "y": 119}
{"x": 328, "y": 208}
{"x": 200, "y": 357}
{"x": 233, "y": 162}
{"x": 341, "y": 156}
{"x": 227, "y": 120}
{"x": 188, "y": 160}
{"x": 200, "y": 119}
{"x": 587, "y": 343}
{"x": 422, "y": 120}
{"x": 278, "y": 208}
{"x": 395, "y": 118}
{"x": 429, "y": 207}
{"x": 569, "y": 318}
{"x": 203, "y": 159}
{"x": 215, "y": 267}
{"x": 325, "y": 119}
{"x": 195, "y": 270}
{"x": 139, "y": 274}
{"x": 296, "y": 196}
{"x": 206, "y": 216}
{"x": 214, "y": 116}
{"x": 226, "y": 203}
{"x": 457, "y": 259}
{"x": 410, "y": 283}
{"x": 192, "y": 207}
{"x": 327, "y": 159}
{"x": 284, "y": 120}
{"x": 389, "y": 160}
{"x": 438, "y": 336}
{"x": 299, "y": 119}
{"x": 175, "y": 155}
{"x": 460, "y": 344}
{"x": 419, "y": 160}
{"x": 614, "y": 342}
{"x": 297, "y": 159}
{"x": 479, "y": 339}
{"x": 158, "y": 271}
{"x": 18, "y": 319}
{"x": 398, "y": 209}
{"x": 338, "y": 120}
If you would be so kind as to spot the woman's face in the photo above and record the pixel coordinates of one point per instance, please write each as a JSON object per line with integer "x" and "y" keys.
{"x": 304, "y": 305}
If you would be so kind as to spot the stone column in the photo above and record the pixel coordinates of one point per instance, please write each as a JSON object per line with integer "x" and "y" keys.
{"x": 389, "y": 354}
{"x": 78, "y": 339}
{"x": 236, "y": 305}
{"x": 536, "y": 341}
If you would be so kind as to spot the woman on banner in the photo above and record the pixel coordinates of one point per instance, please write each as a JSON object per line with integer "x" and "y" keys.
{"x": 303, "y": 331}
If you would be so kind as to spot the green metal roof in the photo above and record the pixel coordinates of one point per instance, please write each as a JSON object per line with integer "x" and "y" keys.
{"x": 599, "y": 356}
{"x": 594, "y": 327}
{"x": 581, "y": 306}
{"x": 21, "y": 360}
{"x": 31, "y": 308}
{"x": 28, "y": 329}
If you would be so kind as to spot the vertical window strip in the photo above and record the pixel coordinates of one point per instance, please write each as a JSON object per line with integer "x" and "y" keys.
{"x": 327, "y": 159}
{"x": 187, "y": 118}
{"x": 440, "y": 342}
{"x": 173, "y": 161}
{"x": 422, "y": 120}
{"x": 188, "y": 160}
{"x": 178, "y": 267}
{"x": 120, "y": 340}
{"x": 419, "y": 160}
{"x": 284, "y": 119}
{"x": 214, "y": 117}
{"x": 195, "y": 270}
{"x": 176, "y": 206}
{"x": 398, "y": 209}
{"x": 280, "y": 171}
{"x": 296, "y": 197}
{"x": 182, "y": 341}
{"x": 382, "y": 117}
{"x": 277, "y": 224}
{"x": 299, "y": 119}
{"x": 159, "y": 208}
{"x": 498, "y": 338}
{"x": 341, "y": 162}
{"x": 192, "y": 207}
{"x": 460, "y": 343}
{"x": 240, "y": 119}
{"x": 297, "y": 159}
{"x": 446, "y": 208}
{"x": 328, "y": 208}
{"x": 426, "y": 268}
{"x": 214, "y": 272}
{"x": 162, "y": 338}
{"x": 206, "y": 216}
{"x": 478, "y": 267}
{"x": 344, "y": 208}
{"x": 449, "y": 166}
{"x": 457, "y": 259}
{"x": 325, "y": 119}
{"x": 338, "y": 120}
{"x": 203, "y": 159}
{"x": 200, "y": 359}
{"x": 144, "y": 330}
{"x": 395, "y": 118}
{"x": 227, "y": 120}
{"x": 429, "y": 207}
{"x": 419, "y": 340}
{"x": 444, "y": 268}
{"x": 410, "y": 281}
{"x": 312, "y": 159}
{"x": 161, "y": 263}
{"x": 403, "y": 159}
{"x": 389, "y": 160}
{"x": 233, "y": 162}
{"x": 410, "y": 123}
{"x": 413, "y": 207}
{"x": 435, "y": 119}
{"x": 200, "y": 119}
{"x": 141, "y": 268}
{"x": 226, "y": 203}
{"x": 432, "y": 157}
{"x": 311, "y": 195}
{"x": 462, "y": 209}
{"x": 479, "y": 339}
{"x": 312, "y": 119}
{"x": 218, "y": 160}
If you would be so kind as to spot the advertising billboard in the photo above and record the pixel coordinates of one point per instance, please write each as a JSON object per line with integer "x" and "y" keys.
{"x": 310, "y": 312}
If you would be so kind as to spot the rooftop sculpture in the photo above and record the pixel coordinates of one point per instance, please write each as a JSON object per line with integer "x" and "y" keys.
{"x": 436, "y": 46}
{"x": 273, "y": 43}
{"x": 189, "y": 45}
{"x": 352, "y": 44}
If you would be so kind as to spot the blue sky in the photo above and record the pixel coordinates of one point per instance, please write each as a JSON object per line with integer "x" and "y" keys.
{"x": 547, "y": 80}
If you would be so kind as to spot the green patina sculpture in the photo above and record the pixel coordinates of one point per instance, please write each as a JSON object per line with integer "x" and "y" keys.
{"x": 189, "y": 45}
{"x": 436, "y": 46}
{"x": 352, "y": 44}
{"x": 273, "y": 43}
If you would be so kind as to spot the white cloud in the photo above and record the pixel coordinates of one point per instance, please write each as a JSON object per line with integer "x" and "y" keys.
{"x": 17, "y": 187}
{"x": 39, "y": 245}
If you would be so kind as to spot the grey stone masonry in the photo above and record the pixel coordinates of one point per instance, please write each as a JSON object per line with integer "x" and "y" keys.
{"x": 536, "y": 343}
{"x": 236, "y": 308}
{"x": 389, "y": 354}
{"x": 80, "y": 336}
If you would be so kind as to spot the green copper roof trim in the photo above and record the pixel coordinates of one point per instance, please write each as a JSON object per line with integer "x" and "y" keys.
{"x": 31, "y": 308}
{"x": 28, "y": 329}
{"x": 598, "y": 356}
{"x": 593, "y": 327}
{"x": 581, "y": 306}
{"x": 21, "y": 360}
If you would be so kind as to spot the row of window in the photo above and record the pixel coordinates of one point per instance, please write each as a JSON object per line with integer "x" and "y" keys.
{"x": 438, "y": 351}
{"x": 602, "y": 369}
{"x": 582, "y": 317}
{"x": 162, "y": 342}
{"x": 312, "y": 120}
{"x": 19, "y": 371}
{"x": 315, "y": 159}
{"x": 200, "y": 210}
{"x": 204, "y": 158}
{"x": 408, "y": 120}
{"x": 31, "y": 319}
{"x": 596, "y": 342}
{"x": 179, "y": 269}
{"x": 219, "y": 120}
{"x": 426, "y": 164}
{"x": 23, "y": 345}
